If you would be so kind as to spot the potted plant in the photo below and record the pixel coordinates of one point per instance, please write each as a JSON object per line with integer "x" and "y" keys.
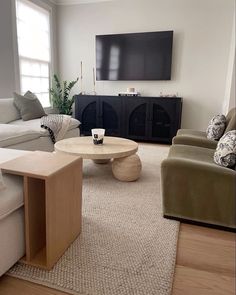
{"x": 60, "y": 95}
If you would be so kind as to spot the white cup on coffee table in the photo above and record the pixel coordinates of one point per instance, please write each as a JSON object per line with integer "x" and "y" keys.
{"x": 98, "y": 135}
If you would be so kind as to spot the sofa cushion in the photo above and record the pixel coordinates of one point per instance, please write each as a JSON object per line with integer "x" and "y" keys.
{"x": 12, "y": 134}
{"x": 8, "y": 111}
{"x": 191, "y": 132}
{"x": 192, "y": 153}
{"x": 11, "y": 198}
{"x": 29, "y": 106}
{"x": 9, "y": 154}
{"x": 194, "y": 138}
{"x": 35, "y": 125}
{"x": 225, "y": 154}
{"x": 216, "y": 127}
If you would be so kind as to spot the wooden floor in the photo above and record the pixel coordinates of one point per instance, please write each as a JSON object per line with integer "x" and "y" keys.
{"x": 205, "y": 266}
{"x": 205, "y": 262}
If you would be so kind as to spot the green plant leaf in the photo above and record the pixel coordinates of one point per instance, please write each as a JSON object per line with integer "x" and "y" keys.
{"x": 60, "y": 95}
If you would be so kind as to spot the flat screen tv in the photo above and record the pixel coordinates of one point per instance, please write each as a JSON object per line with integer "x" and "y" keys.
{"x": 135, "y": 56}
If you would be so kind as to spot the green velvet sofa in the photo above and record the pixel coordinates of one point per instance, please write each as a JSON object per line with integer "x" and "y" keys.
{"x": 197, "y": 190}
{"x": 199, "y": 138}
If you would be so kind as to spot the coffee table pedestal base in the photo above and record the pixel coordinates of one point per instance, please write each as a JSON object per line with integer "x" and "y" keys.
{"x": 127, "y": 168}
{"x": 102, "y": 161}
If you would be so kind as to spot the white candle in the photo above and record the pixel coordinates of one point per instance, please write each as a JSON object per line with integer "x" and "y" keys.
{"x": 81, "y": 64}
{"x": 81, "y": 77}
{"x": 93, "y": 77}
{"x": 94, "y": 81}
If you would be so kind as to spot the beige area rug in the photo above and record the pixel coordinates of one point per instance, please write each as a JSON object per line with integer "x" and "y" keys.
{"x": 126, "y": 246}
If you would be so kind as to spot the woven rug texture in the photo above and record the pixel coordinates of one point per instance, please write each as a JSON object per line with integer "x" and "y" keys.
{"x": 126, "y": 247}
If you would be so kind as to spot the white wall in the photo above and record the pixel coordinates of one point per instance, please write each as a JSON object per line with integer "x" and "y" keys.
{"x": 202, "y": 34}
{"x": 9, "y": 67}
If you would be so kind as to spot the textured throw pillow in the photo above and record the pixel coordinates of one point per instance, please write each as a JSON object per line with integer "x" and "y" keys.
{"x": 29, "y": 106}
{"x": 225, "y": 154}
{"x": 216, "y": 127}
{"x": 2, "y": 185}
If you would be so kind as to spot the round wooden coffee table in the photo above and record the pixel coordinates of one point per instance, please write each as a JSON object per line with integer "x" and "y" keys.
{"x": 126, "y": 165}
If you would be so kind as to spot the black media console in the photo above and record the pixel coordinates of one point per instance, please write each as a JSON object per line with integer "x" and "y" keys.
{"x": 139, "y": 118}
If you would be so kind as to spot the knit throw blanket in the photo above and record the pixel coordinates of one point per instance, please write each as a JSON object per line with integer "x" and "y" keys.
{"x": 57, "y": 125}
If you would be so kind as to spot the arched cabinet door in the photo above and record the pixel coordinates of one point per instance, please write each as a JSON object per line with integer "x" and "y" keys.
{"x": 86, "y": 111}
{"x": 162, "y": 119}
{"x": 136, "y": 115}
{"x": 110, "y": 115}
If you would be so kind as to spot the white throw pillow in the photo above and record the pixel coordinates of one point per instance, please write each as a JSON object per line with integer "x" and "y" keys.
{"x": 216, "y": 127}
{"x": 2, "y": 185}
{"x": 225, "y": 154}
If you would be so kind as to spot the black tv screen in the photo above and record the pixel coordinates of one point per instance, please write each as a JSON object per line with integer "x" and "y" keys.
{"x": 135, "y": 56}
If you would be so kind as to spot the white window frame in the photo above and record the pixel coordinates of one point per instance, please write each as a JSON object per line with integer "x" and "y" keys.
{"x": 15, "y": 44}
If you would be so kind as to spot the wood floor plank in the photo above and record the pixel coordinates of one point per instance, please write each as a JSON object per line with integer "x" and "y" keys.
{"x": 190, "y": 281}
{"x": 13, "y": 286}
{"x": 207, "y": 249}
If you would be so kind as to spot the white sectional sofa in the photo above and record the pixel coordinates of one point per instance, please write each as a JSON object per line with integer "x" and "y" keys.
{"x": 17, "y": 135}
{"x": 26, "y": 135}
{"x": 12, "y": 245}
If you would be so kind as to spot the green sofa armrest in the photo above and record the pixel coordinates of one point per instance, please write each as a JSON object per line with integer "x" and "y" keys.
{"x": 194, "y": 141}
{"x": 198, "y": 191}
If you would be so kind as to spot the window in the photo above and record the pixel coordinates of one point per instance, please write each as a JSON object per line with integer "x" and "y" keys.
{"x": 33, "y": 35}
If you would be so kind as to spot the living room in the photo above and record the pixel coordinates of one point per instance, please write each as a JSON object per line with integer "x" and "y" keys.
{"x": 153, "y": 219}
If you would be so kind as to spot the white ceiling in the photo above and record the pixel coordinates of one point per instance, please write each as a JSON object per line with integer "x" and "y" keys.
{"x": 74, "y": 2}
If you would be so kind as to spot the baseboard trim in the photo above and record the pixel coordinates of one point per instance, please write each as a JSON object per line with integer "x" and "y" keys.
{"x": 199, "y": 223}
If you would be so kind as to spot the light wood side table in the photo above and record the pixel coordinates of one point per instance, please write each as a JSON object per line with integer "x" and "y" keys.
{"x": 52, "y": 197}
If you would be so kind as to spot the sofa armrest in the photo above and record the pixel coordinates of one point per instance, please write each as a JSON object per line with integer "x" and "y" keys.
{"x": 197, "y": 165}
{"x": 194, "y": 141}
{"x": 198, "y": 191}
